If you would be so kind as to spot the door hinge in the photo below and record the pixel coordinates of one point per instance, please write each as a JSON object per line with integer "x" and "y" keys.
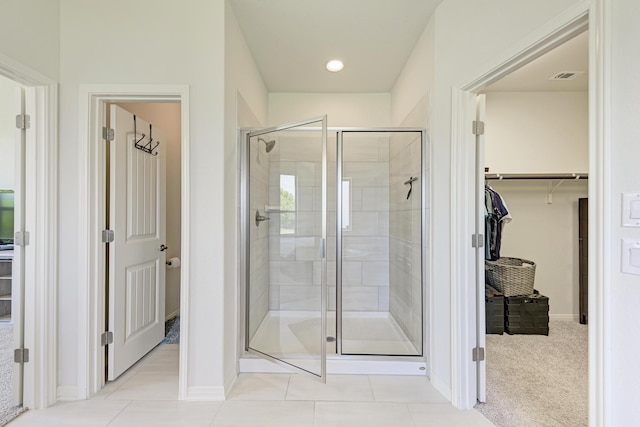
{"x": 23, "y": 121}
{"x": 478, "y": 127}
{"x": 106, "y": 338}
{"x": 108, "y": 236}
{"x": 21, "y": 238}
{"x": 21, "y": 355}
{"x": 477, "y": 240}
{"x": 477, "y": 354}
{"x": 108, "y": 134}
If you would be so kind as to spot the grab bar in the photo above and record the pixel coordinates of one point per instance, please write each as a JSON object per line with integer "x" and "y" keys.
{"x": 276, "y": 209}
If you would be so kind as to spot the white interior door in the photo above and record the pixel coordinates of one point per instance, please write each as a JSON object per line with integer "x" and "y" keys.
{"x": 136, "y": 256}
{"x": 480, "y": 253}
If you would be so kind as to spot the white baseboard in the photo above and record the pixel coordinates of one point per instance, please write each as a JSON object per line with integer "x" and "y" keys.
{"x": 205, "y": 393}
{"x": 172, "y": 315}
{"x": 67, "y": 393}
{"x": 566, "y": 317}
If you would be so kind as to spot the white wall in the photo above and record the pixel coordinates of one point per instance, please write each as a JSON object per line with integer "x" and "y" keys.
{"x": 166, "y": 117}
{"x": 7, "y": 133}
{"x": 29, "y": 34}
{"x": 342, "y": 109}
{"x": 467, "y": 38}
{"x": 546, "y": 234}
{"x": 245, "y": 106}
{"x": 537, "y": 132}
{"x": 151, "y": 42}
{"x": 410, "y": 94}
{"x": 622, "y": 291}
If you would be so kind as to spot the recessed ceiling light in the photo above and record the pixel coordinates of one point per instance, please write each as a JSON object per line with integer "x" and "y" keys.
{"x": 335, "y": 65}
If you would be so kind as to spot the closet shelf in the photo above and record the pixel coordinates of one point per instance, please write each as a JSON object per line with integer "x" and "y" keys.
{"x": 536, "y": 176}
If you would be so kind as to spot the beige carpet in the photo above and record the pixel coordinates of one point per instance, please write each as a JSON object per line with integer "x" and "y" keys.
{"x": 538, "y": 381}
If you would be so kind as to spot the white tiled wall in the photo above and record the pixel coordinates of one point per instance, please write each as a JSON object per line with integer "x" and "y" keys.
{"x": 405, "y": 235}
{"x": 365, "y": 244}
{"x": 294, "y": 258}
{"x": 258, "y": 237}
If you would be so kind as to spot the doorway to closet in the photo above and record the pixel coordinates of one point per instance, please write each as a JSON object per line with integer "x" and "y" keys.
{"x": 535, "y": 157}
{"x": 12, "y": 253}
{"x": 28, "y": 229}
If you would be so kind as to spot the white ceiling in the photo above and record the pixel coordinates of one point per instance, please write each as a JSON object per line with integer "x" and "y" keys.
{"x": 291, "y": 40}
{"x": 573, "y": 55}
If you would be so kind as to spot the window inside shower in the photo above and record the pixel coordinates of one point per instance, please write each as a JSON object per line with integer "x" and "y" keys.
{"x": 374, "y": 221}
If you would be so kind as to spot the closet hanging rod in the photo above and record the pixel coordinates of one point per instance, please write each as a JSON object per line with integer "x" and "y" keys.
{"x": 536, "y": 176}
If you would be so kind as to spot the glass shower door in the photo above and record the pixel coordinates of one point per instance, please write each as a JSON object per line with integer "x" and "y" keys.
{"x": 380, "y": 242}
{"x": 286, "y": 232}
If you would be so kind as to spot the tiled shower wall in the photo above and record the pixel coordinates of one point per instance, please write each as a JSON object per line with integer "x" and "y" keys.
{"x": 258, "y": 237}
{"x": 405, "y": 234}
{"x": 294, "y": 249}
{"x": 365, "y": 242}
{"x": 294, "y": 262}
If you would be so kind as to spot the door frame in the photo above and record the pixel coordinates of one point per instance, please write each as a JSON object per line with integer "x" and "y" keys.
{"x": 41, "y": 221}
{"x": 595, "y": 15}
{"x": 91, "y": 266}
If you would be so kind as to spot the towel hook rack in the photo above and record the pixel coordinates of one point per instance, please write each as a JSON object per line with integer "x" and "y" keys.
{"x": 147, "y": 148}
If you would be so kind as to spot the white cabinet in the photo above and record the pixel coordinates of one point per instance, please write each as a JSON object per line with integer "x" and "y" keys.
{"x": 6, "y": 264}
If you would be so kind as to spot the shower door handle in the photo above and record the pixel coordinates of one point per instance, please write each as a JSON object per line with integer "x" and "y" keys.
{"x": 323, "y": 251}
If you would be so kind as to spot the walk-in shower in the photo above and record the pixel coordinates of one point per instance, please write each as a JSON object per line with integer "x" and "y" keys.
{"x": 334, "y": 243}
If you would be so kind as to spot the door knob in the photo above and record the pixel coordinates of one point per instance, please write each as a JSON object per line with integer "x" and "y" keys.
{"x": 163, "y": 248}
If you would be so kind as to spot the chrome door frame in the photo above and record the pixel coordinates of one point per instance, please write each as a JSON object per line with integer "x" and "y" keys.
{"x": 245, "y": 235}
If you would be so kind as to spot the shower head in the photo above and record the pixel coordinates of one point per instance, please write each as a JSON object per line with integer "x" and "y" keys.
{"x": 268, "y": 144}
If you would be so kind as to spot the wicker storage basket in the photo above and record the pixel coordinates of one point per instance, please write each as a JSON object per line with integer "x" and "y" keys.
{"x": 511, "y": 276}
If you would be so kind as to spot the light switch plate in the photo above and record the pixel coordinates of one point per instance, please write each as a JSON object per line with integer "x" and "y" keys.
{"x": 631, "y": 256}
{"x": 631, "y": 209}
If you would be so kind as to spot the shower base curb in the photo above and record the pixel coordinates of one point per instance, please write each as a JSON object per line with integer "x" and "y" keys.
{"x": 350, "y": 366}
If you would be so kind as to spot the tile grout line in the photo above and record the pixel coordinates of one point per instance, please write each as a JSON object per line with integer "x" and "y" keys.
{"x": 286, "y": 390}
{"x": 373, "y": 393}
{"x": 119, "y": 413}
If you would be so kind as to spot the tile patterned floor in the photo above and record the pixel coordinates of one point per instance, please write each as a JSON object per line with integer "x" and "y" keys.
{"x": 146, "y": 395}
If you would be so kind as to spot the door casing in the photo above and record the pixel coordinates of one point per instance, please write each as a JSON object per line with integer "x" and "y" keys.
{"x": 596, "y": 16}
{"x": 91, "y": 267}
{"x": 41, "y": 255}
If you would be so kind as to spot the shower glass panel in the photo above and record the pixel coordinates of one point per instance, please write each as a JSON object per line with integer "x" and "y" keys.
{"x": 286, "y": 259}
{"x": 379, "y": 284}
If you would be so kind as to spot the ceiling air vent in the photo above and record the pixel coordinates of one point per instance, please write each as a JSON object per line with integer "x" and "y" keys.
{"x": 567, "y": 75}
